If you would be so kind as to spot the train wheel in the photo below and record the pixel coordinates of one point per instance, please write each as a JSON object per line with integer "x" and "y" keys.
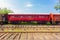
{"x": 9, "y": 22}
{"x": 16, "y": 22}
{"x": 57, "y": 22}
{"x": 50, "y": 22}
{"x": 43, "y": 22}
{"x": 1, "y": 23}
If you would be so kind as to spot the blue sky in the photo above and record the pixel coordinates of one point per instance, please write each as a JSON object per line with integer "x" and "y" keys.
{"x": 29, "y": 6}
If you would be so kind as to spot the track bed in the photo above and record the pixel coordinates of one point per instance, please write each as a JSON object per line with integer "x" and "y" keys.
{"x": 29, "y": 36}
{"x": 30, "y": 28}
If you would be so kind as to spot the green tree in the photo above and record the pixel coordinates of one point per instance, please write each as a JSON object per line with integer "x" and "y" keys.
{"x": 57, "y": 7}
{"x": 5, "y": 11}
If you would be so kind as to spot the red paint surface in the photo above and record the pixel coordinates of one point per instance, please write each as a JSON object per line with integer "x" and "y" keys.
{"x": 27, "y": 18}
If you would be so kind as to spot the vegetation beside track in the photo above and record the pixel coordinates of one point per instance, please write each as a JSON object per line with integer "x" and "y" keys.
{"x": 30, "y": 28}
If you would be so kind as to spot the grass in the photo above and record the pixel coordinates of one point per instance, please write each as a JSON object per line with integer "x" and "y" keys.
{"x": 28, "y": 23}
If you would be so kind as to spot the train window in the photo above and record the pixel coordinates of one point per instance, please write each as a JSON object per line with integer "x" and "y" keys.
{"x": 21, "y": 16}
{"x": 35, "y": 16}
{"x": 29, "y": 16}
{"x": 12, "y": 16}
{"x": 41, "y": 16}
{"x": 15, "y": 16}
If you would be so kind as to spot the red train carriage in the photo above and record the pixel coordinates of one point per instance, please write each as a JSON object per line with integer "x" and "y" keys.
{"x": 36, "y": 18}
{"x": 56, "y": 18}
{"x": 30, "y": 18}
{"x": 39, "y": 18}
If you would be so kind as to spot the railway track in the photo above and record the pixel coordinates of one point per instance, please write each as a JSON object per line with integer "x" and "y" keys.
{"x": 30, "y": 28}
{"x": 30, "y": 36}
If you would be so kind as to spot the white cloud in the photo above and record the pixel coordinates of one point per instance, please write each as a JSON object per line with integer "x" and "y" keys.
{"x": 7, "y": 4}
{"x": 4, "y": 3}
{"x": 29, "y": 5}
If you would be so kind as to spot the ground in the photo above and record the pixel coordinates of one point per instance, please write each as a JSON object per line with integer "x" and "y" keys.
{"x": 29, "y": 36}
{"x": 32, "y": 32}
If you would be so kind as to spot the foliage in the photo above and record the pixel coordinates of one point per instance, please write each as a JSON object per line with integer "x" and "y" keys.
{"x": 5, "y": 11}
{"x": 57, "y": 7}
{"x": 48, "y": 23}
{"x": 28, "y": 23}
